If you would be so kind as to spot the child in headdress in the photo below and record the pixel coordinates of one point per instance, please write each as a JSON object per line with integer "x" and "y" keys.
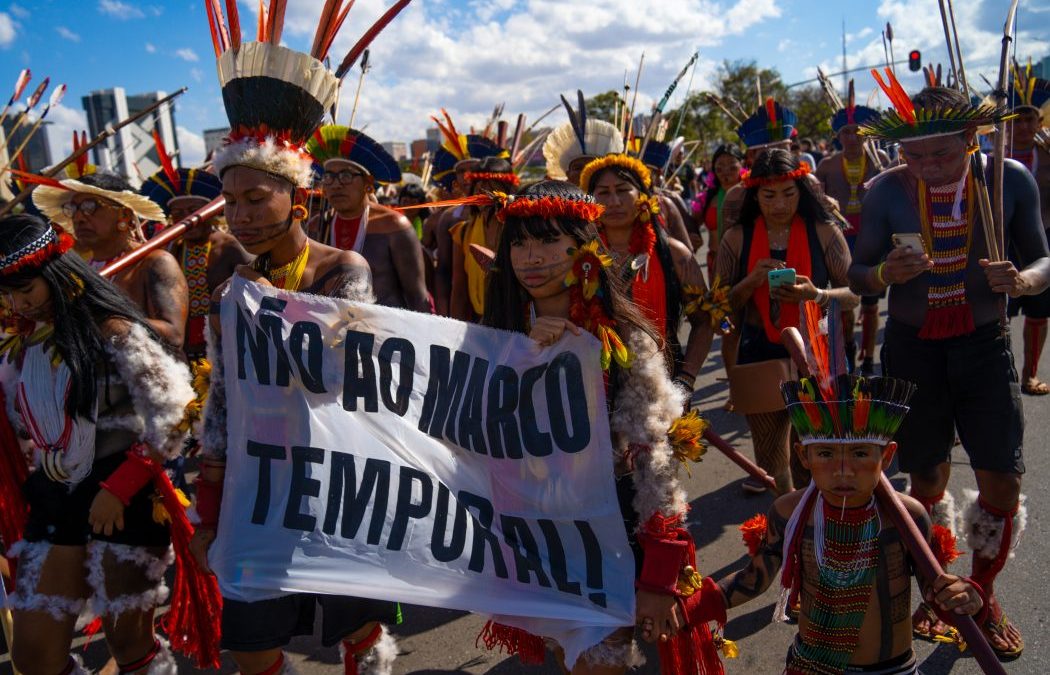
{"x": 840, "y": 556}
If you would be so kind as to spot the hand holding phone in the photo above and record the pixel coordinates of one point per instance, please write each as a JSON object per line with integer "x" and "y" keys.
{"x": 781, "y": 277}
{"x": 912, "y": 240}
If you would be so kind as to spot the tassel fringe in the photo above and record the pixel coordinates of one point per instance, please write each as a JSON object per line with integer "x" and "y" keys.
{"x": 530, "y": 649}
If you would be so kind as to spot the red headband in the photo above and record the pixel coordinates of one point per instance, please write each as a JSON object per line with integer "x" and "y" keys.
{"x": 551, "y": 207}
{"x": 47, "y": 246}
{"x": 801, "y": 172}
{"x": 507, "y": 178}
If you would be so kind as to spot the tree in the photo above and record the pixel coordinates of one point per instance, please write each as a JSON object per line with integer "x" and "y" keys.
{"x": 603, "y": 106}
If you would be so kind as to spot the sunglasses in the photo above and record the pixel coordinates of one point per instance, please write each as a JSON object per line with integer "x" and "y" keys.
{"x": 344, "y": 177}
{"x": 87, "y": 207}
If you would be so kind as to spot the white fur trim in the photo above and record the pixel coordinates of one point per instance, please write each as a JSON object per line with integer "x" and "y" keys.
{"x": 614, "y": 654}
{"x": 943, "y": 513}
{"x": 379, "y": 660}
{"x": 646, "y": 406}
{"x": 159, "y": 385}
{"x": 31, "y": 558}
{"x": 164, "y": 662}
{"x": 270, "y": 156}
{"x": 132, "y": 423}
{"x": 984, "y": 531}
{"x": 358, "y": 289}
{"x": 152, "y": 566}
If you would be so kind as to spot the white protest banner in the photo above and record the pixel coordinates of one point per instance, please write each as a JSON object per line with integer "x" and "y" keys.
{"x": 393, "y": 455}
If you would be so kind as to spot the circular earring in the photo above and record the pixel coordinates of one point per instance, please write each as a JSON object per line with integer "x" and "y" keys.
{"x": 122, "y": 226}
{"x": 299, "y": 212}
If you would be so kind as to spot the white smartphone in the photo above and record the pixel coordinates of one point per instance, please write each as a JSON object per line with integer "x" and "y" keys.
{"x": 912, "y": 240}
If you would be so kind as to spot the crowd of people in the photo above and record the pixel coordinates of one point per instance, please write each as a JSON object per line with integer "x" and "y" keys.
{"x": 113, "y": 370}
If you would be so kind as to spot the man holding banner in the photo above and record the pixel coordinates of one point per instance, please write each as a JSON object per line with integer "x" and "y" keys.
{"x": 264, "y": 171}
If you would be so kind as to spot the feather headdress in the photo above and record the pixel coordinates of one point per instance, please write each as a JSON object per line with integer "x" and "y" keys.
{"x": 905, "y": 122}
{"x": 1028, "y": 91}
{"x": 171, "y": 183}
{"x": 334, "y": 141}
{"x": 581, "y": 136}
{"x": 852, "y": 114}
{"x": 771, "y": 123}
{"x": 456, "y": 148}
{"x": 276, "y": 97}
{"x": 832, "y": 406}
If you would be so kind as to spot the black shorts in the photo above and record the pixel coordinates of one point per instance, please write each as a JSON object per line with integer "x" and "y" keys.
{"x": 870, "y": 300}
{"x": 1032, "y": 306}
{"x": 967, "y": 383}
{"x": 268, "y": 624}
{"x": 60, "y": 517}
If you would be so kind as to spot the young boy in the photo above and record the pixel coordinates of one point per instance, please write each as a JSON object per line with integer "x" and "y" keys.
{"x": 842, "y": 557}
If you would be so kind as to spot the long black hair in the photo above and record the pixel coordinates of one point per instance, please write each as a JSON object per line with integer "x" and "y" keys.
{"x": 779, "y": 162}
{"x": 81, "y": 301}
{"x": 716, "y": 185}
{"x": 507, "y": 302}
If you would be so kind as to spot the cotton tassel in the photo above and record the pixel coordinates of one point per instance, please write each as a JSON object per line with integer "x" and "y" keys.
{"x": 374, "y": 655}
{"x": 691, "y": 651}
{"x": 530, "y": 649}
{"x": 984, "y": 529}
{"x": 193, "y": 623}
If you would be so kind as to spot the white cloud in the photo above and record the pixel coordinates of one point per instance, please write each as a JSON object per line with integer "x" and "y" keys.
{"x": 197, "y": 74}
{"x": 187, "y": 54}
{"x": 63, "y": 121}
{"x": 19, "y": 11}
{"x": 119, "y": 10}
{"x": 150, "y": 49}
{"x": 7, "y": 30}
{"x": 191, "y": 147}
{"x": 67, "y": 34}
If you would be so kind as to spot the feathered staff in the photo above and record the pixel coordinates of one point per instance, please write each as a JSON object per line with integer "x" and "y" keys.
{"x": 659, "y": 110}
{"x": 31, "y": 102}
{"x": 20, "y": 85}
{"x": 107, "y": 132}
{"x": 351, "y": 57}
{"x": 53, "y": 100}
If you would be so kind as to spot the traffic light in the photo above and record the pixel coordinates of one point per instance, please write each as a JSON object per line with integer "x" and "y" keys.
{"x": 914, "y": 60}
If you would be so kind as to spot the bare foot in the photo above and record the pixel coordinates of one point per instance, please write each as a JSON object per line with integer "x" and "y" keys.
{"x": 926, "y": 624}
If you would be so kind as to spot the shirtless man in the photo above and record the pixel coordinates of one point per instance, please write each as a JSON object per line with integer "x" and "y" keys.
{"x": 383, "y": 236}
{"x": 105, "y": 216}
{"x": 945, "y": 332}
{"x": 207, "y": 255}
{"x": 843, "y": 176}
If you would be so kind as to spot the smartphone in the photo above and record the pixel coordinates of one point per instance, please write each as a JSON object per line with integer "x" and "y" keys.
{"x": 912, "y": 240}
{"x": 782, "y": 277}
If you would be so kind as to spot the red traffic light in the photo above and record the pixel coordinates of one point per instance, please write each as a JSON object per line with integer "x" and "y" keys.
{"x": 914, "y": 60}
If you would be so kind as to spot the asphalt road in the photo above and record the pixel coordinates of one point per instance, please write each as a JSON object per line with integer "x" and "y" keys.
{"x": 435, "y": 641}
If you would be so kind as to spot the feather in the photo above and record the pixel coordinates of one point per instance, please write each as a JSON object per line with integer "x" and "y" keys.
{"x": 235, "y": 24}
{"x": 165, "y": 162}
{"x": 56, "y": 98}
{"x": 334, "y": 29}
{"x": 220, "y": 25}
{"x": 260, "y": 30}
{"x": 575, "y": 122}
{"x": 34, "y": 98}
{"x": 215, "y": 43}
{"x": 501, "y": 133}
{"x": 20, "y": 85}
{"x": 82, "y": 159}
{"x": 276, "y": 21}
{"x": 817, "y": 343}
{"x": 328, "y": 13}
{"x": 771, "y": 110}
{"x": 475, "y": 200}
{"x": 905, "y": 106}
{"x": 581, "y": 111}
{"x": 37, "y": 179}
{"x": 368, "y": 37}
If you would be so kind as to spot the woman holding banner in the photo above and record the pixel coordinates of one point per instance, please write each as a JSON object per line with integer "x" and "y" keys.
{"x": 551, "y": 274}
{"x": 103, "y": 403}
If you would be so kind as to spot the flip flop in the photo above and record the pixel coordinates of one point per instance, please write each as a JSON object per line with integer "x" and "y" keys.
{"x": 924, "y": 611}
{"x": 995, "y": 626}
{"x": 1035, "y": 387}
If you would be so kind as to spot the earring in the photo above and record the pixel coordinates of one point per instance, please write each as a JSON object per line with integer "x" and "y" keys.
{"x": 122, "y": 226}
{"x": 299, "y": 212}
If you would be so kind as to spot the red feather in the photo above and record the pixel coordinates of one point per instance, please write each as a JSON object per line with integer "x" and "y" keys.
{"x": 335, "y": 29}
{"x": 476, "y": 200}
{"x": 347, "y": 144}
{"x": 235, "y": 24}
{"x": 260, "y": 30}
{"x": 368, "y": 37}
{"x": 37, "y": 179}
{"x": 818, "y": 347}
{"x": 322, "y": 28}
{"x": 166, "y": 164}
{"x": 449, "y": 132}
{"x": 754, "y": 533}
{"x": 212, "y": 29}
{"x": 276, "y": 21}
{"x": 771, "y": 109}
{"x": 905, "y": 101}
{"x": 944, "y": 545}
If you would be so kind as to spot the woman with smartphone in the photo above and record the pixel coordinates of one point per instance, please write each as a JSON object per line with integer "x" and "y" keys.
{"x": 785, "y": 250}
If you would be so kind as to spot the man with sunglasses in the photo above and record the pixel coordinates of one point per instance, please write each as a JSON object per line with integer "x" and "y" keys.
{"x": 105, "y": 216}
{"x": 353, "y": 164}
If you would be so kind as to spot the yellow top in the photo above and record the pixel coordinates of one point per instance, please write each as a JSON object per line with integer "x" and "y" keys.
{"x": 466, "y": 233}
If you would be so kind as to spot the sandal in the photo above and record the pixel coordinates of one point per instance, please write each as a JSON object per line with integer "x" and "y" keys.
{"x": 996, "y": 628}
{"x": 936, "y": 628}
{"x": 1033, "y": 386}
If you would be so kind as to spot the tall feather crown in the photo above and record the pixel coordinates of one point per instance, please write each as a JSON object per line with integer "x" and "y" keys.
{"x": 276, "y": 97}
{"x": 832, "y": 406}
{"x": 581, "y": 136}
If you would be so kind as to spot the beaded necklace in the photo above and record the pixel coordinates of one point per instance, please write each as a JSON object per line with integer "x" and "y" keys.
{"x": 947, "y": 232}
{"x": 855, "y": 171}
{"x": 287, "y": 276}
{"x": 846, "y": 547}
{"x": 195, "y": 266}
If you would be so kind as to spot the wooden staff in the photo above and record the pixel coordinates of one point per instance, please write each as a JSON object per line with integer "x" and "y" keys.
{"x": 106, "y": 133}
{"x": 1000, "y": 129}
{"x": 629, "y": 123}
{"x": 909, "y": 532}
{"x": 167, "y": 236}
{"x": 744, "y": 463}
{"x": 519, "y": 130}
{"x": 360, "y": 84}
{"x": 31, "y": 102}
{"x": 56, "y": 98}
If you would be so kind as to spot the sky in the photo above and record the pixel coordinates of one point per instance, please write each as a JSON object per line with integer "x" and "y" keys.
{"x": 470, "y": 55}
